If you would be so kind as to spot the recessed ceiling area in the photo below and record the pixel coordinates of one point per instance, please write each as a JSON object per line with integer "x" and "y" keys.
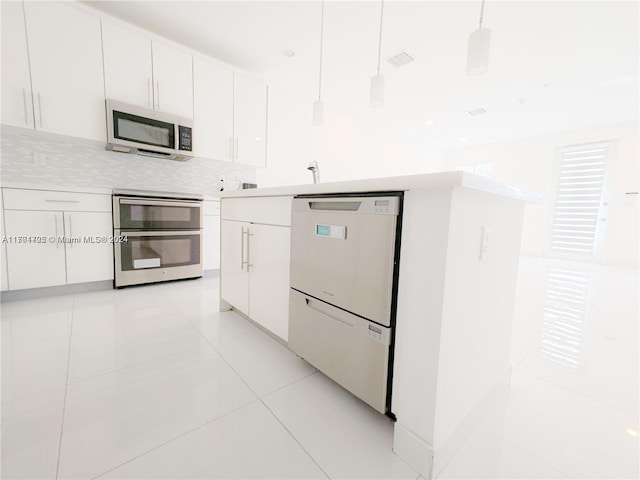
{"x": 554, "y": 65}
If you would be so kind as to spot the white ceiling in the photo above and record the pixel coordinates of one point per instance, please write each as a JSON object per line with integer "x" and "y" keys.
{"x": 554, "y": 65}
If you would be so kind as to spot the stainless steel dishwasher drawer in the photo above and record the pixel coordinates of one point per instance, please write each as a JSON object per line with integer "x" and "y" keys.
{"x": 349, "y": 349}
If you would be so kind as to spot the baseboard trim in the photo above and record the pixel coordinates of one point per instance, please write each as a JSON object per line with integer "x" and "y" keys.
{"x": 414, "y": 451}
{"x": 447, "y": 448}
{"x": 32, "y": 293}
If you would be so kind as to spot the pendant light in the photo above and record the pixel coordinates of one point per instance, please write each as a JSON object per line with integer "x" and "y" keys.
{"x": 478, "y": 48}
{"x": 318, "y": 105}
{"x": 376, "y": 94}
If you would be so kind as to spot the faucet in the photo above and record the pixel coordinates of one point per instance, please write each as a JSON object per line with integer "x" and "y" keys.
{"x": 313, "y": 166}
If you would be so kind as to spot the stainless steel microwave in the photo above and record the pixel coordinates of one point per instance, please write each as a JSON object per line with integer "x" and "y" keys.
{"x": 133, "y": 129}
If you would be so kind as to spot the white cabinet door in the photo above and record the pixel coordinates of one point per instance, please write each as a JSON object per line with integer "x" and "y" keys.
{"x": 4, "y": 284}
{"x": 211, "y": 242}
{"x": 269, "y": 249}
{"x": 212, "y": 111}
{"x": 127, "y": 66}
{"x": 88, "y": 261}
{"x": 65, "y": 51}
{"x": 35, "y": 264}
{"x": 234, "y": 278}
{"x": 250, "y": 121}
{"x": 173, "y": 80}
{"x": 17, "y": 108}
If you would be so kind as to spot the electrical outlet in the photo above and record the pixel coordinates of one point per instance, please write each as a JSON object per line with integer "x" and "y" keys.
{"x": 39, "y": 159}
{"x": 484, "y": 242}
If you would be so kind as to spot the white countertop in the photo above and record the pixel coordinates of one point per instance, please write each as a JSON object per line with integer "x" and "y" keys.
{"x": 387, "y": 184}
{"x": 58, "y": 188}
{"x": 66, "y": 188}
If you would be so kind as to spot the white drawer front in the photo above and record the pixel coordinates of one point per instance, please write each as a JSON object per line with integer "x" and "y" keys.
{"x": 211, "y": 207}
{"x": 18, "y": 199}
{"x": 267, "y": 210}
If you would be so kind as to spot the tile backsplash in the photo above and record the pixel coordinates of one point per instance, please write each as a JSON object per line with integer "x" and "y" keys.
{"x": 73, "y": 162}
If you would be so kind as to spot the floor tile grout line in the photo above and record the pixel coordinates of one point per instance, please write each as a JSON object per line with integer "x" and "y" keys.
{"x": 290, "y": 384}
{"x": 528, "y": 452}
{"x": 580, "y": 394}
{"x": 265, "y": 405}
{"x": 294, "y": 437}
{"x": 134, "y": 365}
{"x": 66, "y": 386}
{"x": 177, "y": 438}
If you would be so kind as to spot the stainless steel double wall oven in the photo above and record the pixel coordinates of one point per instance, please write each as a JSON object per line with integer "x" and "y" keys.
{"x": 163, "y": 236}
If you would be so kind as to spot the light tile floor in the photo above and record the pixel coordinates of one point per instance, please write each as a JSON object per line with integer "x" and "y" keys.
{"x": 155, "y": 382}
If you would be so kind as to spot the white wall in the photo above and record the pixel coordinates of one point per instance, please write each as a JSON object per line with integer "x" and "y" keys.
{"x": 352, "y": 144}
{"x": 529, "y": 163}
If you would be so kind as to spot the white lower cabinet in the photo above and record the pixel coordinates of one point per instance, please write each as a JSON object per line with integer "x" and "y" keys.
{"x": 234, "y": 274}
{"x": 255, "y": 272}
{"x": 39, "y": 262}
{"x": 60, "y": 240}
{"x": 269, "y": 249}
{"x": 211, "y": 235}
{"x": 4, "y": 284}
{"x": 89, "y": 261}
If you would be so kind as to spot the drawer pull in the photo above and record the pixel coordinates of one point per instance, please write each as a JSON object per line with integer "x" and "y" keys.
{"x": 63, "y": 201}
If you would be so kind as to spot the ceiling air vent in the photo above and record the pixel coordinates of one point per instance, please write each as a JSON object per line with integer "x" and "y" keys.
{"x": 399, "y": 59}
{"x": 476, "y": 111}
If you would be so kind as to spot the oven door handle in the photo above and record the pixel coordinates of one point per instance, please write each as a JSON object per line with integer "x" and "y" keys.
{"x": 165, "y": 233}
{"x": 161, "y": 203}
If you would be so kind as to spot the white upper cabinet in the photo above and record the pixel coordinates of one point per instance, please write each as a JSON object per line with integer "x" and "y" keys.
{"x": 146, "y": 73}
{"x": 65, "y": 54}
{"x": 127, "y": 66}
{"x": 17, "y": 106}
{"x": 173, "y": 80}
{"x": 212, "y": 110}
{"x": 250, "y": 121}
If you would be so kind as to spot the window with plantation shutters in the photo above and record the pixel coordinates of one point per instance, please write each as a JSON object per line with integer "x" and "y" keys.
{"x": 578, "y": 215}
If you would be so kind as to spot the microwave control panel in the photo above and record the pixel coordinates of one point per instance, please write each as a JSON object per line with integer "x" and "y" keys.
{"x": 184, "y": 140}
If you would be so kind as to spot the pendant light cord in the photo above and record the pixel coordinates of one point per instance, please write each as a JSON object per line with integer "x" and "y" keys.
{"x": 380, "y": 39}
{"x": 321, "y": 39}
{"x": 481, "y": 15}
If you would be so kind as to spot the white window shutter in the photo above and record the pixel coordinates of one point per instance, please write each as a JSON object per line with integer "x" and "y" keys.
{"x": 579, "y": 199}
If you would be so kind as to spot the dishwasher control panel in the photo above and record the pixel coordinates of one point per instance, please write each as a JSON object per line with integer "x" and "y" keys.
{"x": 331, "y": 231}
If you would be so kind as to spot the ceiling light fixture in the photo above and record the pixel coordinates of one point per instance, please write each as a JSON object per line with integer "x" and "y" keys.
{"x": 318, "y": 105}
{"x": 478, "y": 48}
{"x": 376, "y": 94}
{"x": 430, "y": 123}
{"x": 289, "y": 53}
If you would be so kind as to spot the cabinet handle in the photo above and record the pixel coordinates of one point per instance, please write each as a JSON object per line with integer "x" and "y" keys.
{"x": 24, "y": 101}
{"x": 231, "y": 148}
{"x": 158, "y": 94}
{"x": 242, "y": 262}
{"x": 62, "y": 201}
{"x": 69, "y": 233}
{"x": 149, "y": 94}
{"x": 249, "y": 264}
{"x": 55, "y": 221}
{"x": 236, "y": 149}
{"x": 40, "y": 109}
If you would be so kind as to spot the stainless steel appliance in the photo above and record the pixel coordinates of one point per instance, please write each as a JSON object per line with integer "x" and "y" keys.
{"x": 161, "y": 236}
{"x": 344, "y": 262}
{"x": 133, "y": 129}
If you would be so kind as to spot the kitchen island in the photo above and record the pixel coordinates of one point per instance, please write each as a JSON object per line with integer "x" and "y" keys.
{"x": 459, "y": 256}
